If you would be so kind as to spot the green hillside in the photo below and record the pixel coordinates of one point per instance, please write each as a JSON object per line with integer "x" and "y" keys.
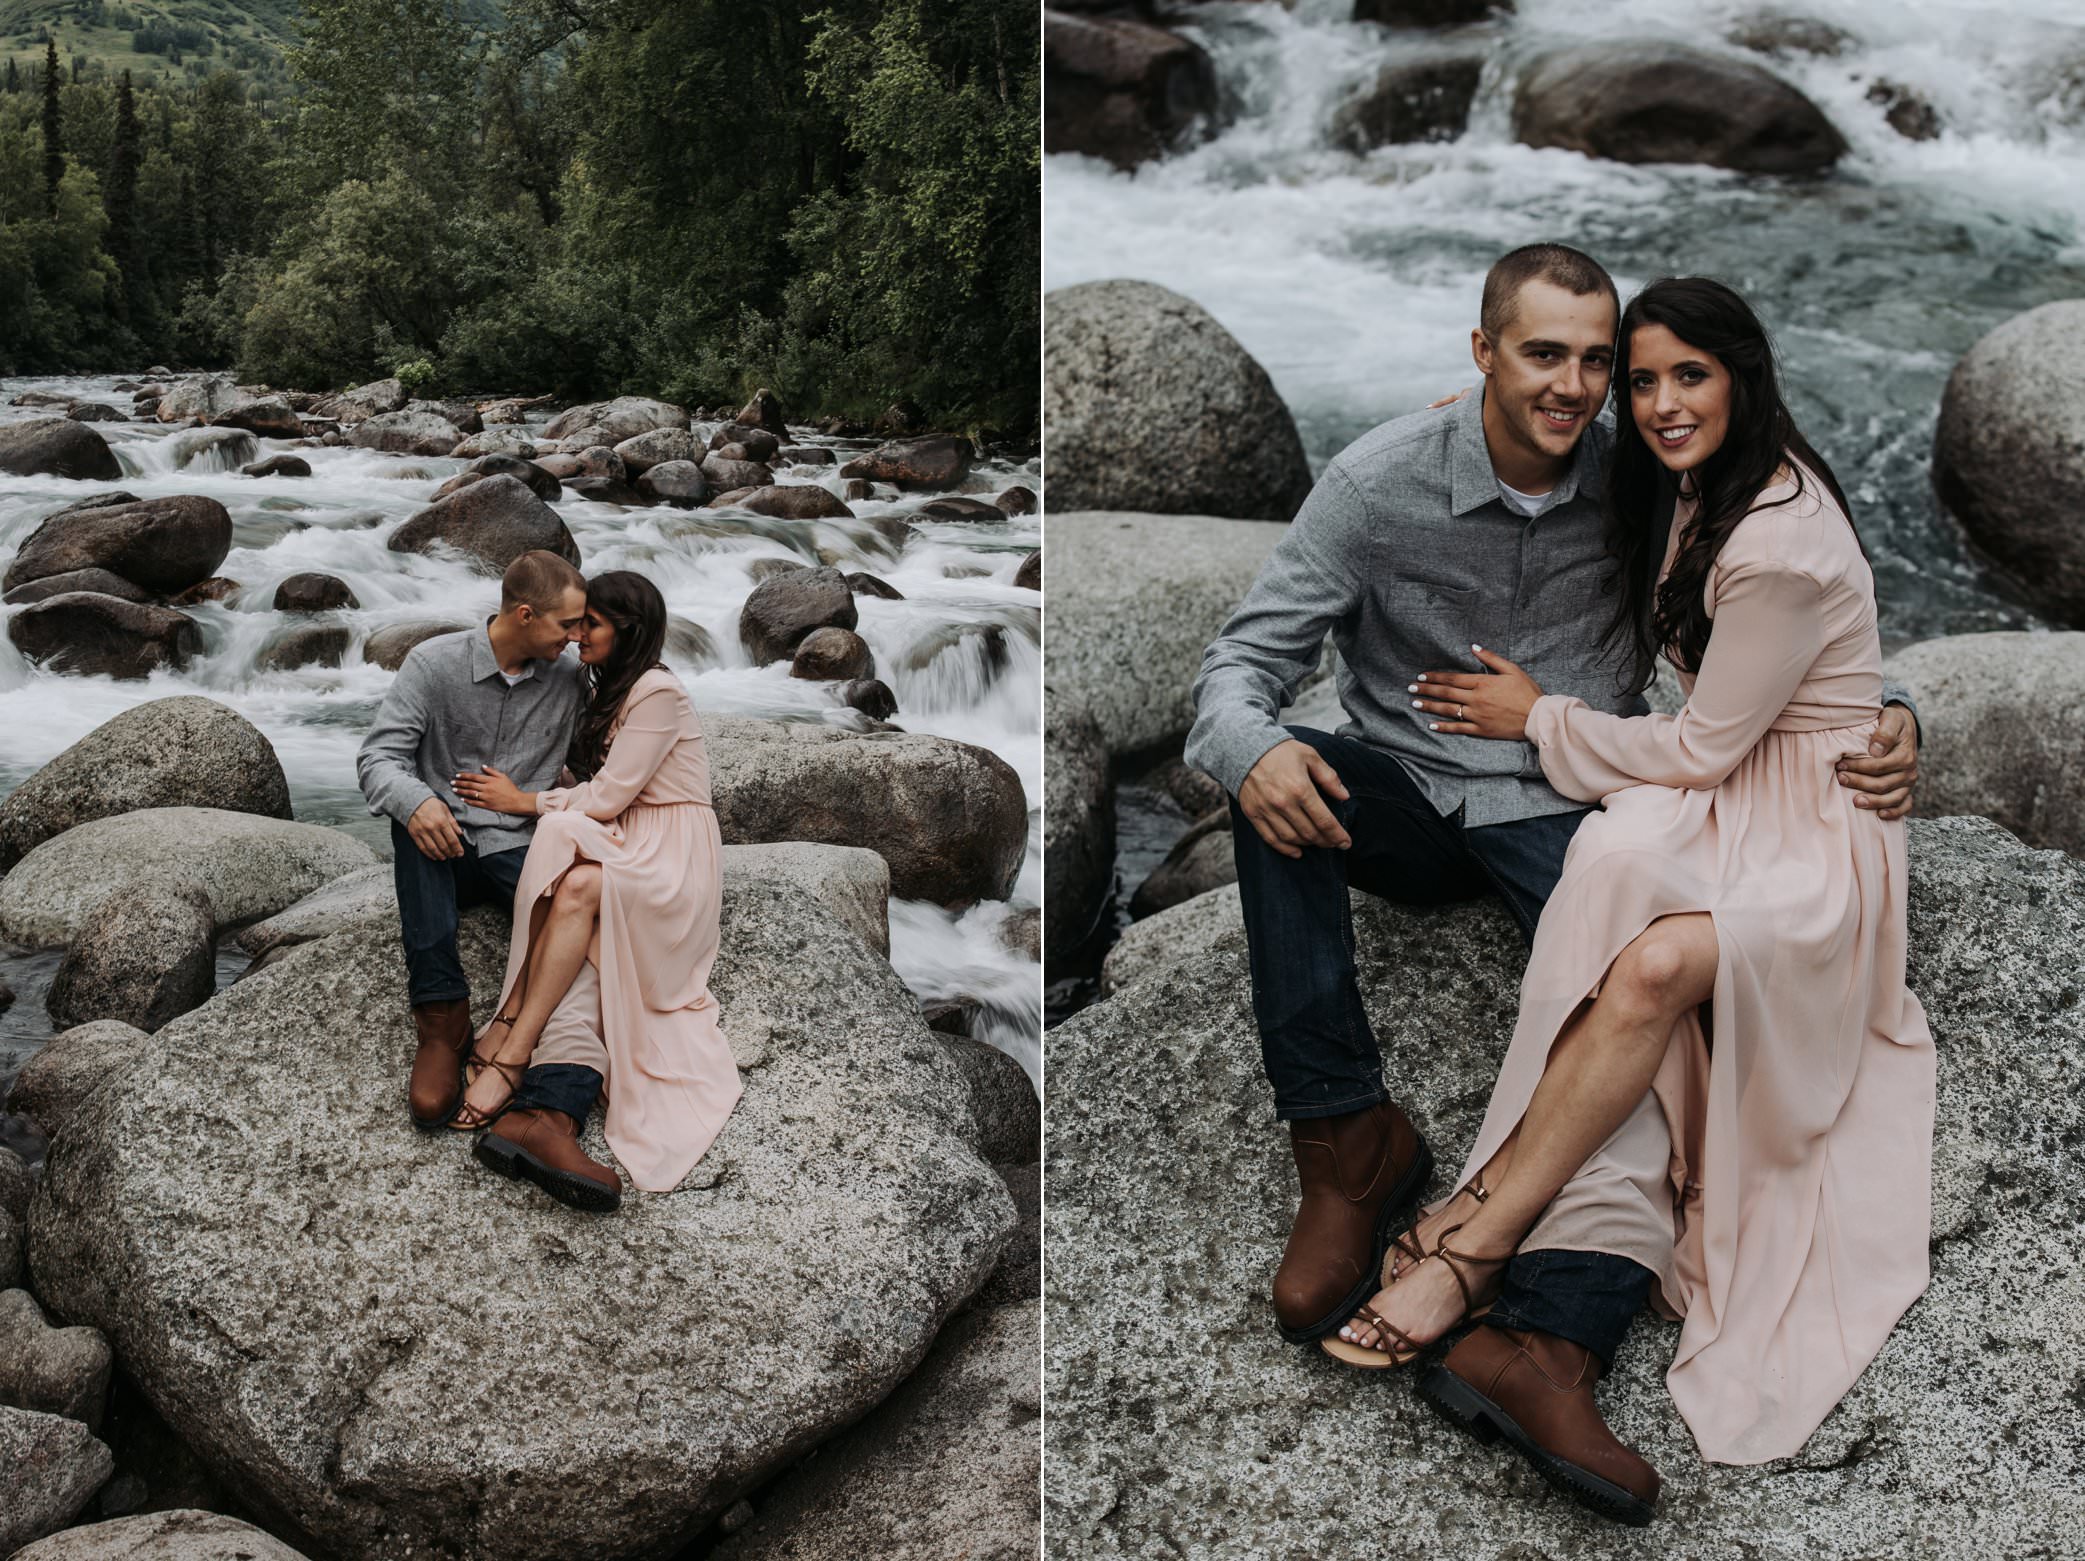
{"x": 165, "y": 40}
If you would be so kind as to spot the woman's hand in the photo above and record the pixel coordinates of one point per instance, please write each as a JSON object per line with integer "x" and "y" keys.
{"x": 492, "y": 790}
{"x": 1494, "y": 703}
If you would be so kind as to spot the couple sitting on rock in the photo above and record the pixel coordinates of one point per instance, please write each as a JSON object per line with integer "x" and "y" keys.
{"x": 613, "y": 868}
{"x": 1719, "y": 1093}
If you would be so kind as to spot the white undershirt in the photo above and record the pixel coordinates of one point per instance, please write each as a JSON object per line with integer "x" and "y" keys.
{"x": 511, "y": 678}
{"x": 1530, "y": 505}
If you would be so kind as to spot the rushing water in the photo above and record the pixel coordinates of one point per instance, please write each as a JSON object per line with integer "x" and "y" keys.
{"x": 1355, "y": 279}
{"x": 937, "y": 650}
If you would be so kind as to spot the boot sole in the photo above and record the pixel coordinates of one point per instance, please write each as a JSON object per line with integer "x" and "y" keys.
{"x": 511, "y": 1160}
{"x": 1478, "y": 1415}
{"x": 1394, "y": 1208}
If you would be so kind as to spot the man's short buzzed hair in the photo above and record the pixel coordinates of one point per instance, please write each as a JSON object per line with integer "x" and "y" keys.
{"x": 540, "y": 580}
{"x": 1559, "y": 264}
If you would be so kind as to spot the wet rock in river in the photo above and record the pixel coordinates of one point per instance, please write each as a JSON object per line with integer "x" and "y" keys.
{"x": 832, "y": 655}
{"x": 179, "y": 1534}
{"x": 941, "y": 461}
{"x": 786, "y": 607}
{"x": 614, "y": 421}
{"x": 606, "y": 490}
{"x": 725, "y": 476}
{"x": 764, "y": 411}
{"x": 306, "y": 645}
{"x": 1422, "y": 99}
{"x": 314, "y": 592}
{"x": 1152, "y": 405}
{"x": 269, "y": 417}
{"x": 1121, "y": 89}
{"x": 388, "y": 647}
{"x": 755, "y": 444}
{"x": 57, "y": 447}
{"x": 541, "y": 482}
{"x": 214, "y": 449}
{"x": 642, "y": 453}
{"x": 1650, "y": 102}
{"x": 278, "y": 466}
{"x": 198, "y": 400}
{"x": 162, "y": 545}
{"x": 145, "y": 954}
{"x": 1905, "y": 111}
{"x": 794, "y": 501}
{"x": 508, "y": 440}
{"x": 678, "y": 483}
{"x": 871, "y": 696}
{"x": 94, "y": 412}
{"x": 1017, "y": 501}
{"x": 98, "y": 580}
{"x": 1029, "y": 575}
{"x": 2009, "y": 455}
{"x": 91, "y": 635}
{"x": 495, "y": 521}
{"x": 869, "y": 585}
{"x": 374, "y": 399}
{"x": 218, "y": 588}
{"x": 406, "y": 433}
{"x": 955, "y": 507}
{"x": 186, "y": 751}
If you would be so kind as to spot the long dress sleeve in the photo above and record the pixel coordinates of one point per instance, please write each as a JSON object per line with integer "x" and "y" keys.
{"x": 1769, "y": 629}
{"x": 650, "y": 728}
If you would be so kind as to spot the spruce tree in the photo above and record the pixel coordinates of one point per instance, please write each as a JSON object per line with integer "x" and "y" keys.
{"x": 14, "y": 76}
{"x": 119, "y": 195}
{"x": 53, "y": 129}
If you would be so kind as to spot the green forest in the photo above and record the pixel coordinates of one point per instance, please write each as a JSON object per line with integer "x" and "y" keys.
{"x": 578, "y": 197}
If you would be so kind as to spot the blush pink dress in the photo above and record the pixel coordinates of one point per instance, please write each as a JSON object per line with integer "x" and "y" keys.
{"x": 1776, "y": 1179}
{"x": 646, "y": 819}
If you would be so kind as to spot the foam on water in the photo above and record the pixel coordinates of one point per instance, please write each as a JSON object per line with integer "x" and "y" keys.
{"x": 960, "y": 651}
{"x": 1355, "y": 279}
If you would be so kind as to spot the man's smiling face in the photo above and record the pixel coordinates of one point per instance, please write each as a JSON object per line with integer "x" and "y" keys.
{"x": 1547, "y": 371}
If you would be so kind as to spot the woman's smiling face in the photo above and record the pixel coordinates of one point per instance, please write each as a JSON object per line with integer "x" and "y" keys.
{"x": 1679, "y": 397}
{"x": 596, "y": 639}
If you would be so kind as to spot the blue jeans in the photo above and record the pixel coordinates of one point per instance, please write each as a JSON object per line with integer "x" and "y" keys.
{"x": 1321, "y": 1055}
{"x": 562, "y": 1086}
{"x": 431, "y": 895}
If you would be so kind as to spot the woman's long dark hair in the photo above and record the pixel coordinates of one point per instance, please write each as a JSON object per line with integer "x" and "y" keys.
{"x": 633, "y": 605}
{"x": 1761, "y": 439}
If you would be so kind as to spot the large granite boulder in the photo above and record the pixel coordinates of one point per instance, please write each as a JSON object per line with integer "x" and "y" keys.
{"x": 406, "y": 432}
{"x": 1078, "y": 823}
{"x": 389, "y": 646}
{"x": 247, "y": 867}
{"x": 305, "y": 645}
{"x": 702, "y": 1340}
{"x": 1200, "y": 860}
{"x": 785, "y": 608}
{"x": 1422, "y": 98}
{"x": 1152, "y": 405}
{"x": 494, "y": 521}
{"x": 50, "y": 1468}
{"x": 91, "y": 635}
{"x": 267, "y": 417}
{"x": 164, "y": 545}
{"x": 57, "y": 447}
{"x": 950, "y": 819}
{"x": 1170, "y": 1189}
{"x": 947, "y": 1467}
{"x": 940, "y": 461}
{"x": 647, "y": 450}
{"x": 147, "y": 953}
{"x": 1988, "y": 745}
{"x": 363, "y": 402}
{"x": 543, "y": 484}
{"x": 2009, "y": 455}
{"x": 198, "y": 400}
{"x": 1134, "y": 603}
{"x": 1642, "y": 101}
{"x": 182, "y": 1534}
{"x": 186, "y": 751}
{"x": 60, "y": 1371}
{"x": 1119, "y": 88}
{"x": 795, "y": 501}
{"x": 678, "y": 483}
{"x": 214, "y": 449}
{"x": 312, "y": 591}
{"x": 72, "y": 1066}
{"x": 99, "y": 581}
{"x": 611, "y": 422}
{"x": 505, "y": 439}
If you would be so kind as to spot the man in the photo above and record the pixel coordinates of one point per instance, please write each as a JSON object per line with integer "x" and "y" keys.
{"x": 503, "y": 695}
{"x": 1477, "y": 522}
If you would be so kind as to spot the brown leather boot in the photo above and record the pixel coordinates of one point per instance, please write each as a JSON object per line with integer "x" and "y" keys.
{"x": 1359, "y": 1172}
{"x": 444, "y": 1030}
{"x": 1536, "y": 1390}
{"x": 541, "y": 1145}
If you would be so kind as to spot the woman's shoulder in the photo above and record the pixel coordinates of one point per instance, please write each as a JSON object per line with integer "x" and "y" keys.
{"x": 1794, "y": 525}
{"x": 657, "y": 680}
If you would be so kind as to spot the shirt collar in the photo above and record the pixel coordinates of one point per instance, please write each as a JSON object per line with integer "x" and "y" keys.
{"x": 1475, "y": 483}
{"x": 484, "y": 662}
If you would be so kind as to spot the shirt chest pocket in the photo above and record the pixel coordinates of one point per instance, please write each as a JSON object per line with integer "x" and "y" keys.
{"x": 1431, "y": 621}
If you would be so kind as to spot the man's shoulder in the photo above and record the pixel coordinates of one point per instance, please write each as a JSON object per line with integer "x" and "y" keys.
{"x": 1415, "y": 447}
{"x": 439, "y": 655}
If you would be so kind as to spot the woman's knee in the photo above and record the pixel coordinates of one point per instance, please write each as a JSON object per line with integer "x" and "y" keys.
{"x": 1664, "y": 970}
{"x": 580, "y": 890}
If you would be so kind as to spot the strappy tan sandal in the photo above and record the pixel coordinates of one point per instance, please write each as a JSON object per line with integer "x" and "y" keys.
{"x": 1406, "y": 1251}
{"x": 1379, "y": 1356}
{"x": 467, "y": 1118}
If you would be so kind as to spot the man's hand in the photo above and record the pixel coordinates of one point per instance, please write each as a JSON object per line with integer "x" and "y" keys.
{"x": 1281, "y": 798}
{"x": 434, "y": 831}
{"x": 1885, "y": 774}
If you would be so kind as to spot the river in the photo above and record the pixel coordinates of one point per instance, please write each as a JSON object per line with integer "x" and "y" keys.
{"x": 948, "y": 682}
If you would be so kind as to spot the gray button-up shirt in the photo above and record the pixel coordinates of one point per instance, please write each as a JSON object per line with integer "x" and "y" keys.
{"x": 449, "y": 710}
{"x": 1407, "y": 555}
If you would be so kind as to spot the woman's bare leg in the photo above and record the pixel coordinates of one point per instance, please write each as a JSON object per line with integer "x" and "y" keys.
{"x": 1597, "y": 1072}
{"x": 556, "y": 951}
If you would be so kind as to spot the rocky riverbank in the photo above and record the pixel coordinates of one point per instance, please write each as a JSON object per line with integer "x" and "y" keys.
{"x": 372, "y": 1347}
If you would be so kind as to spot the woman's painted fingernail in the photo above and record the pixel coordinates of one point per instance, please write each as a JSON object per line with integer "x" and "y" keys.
{"x": 1411, "y": 688}
{"x": 1418, "y": 705}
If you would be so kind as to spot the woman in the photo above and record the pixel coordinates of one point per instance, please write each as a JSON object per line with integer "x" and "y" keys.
{"x": 1770, "y": 1170}
{"x": 622, "y": 887}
